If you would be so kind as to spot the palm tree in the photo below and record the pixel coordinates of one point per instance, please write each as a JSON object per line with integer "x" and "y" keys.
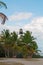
{"x": 9, "y": 42}
{"x": 30, "y": 42}
{"x": 3, "y": 16}
{"x": 6, "y": 41}
{"x": 14, "y": 37}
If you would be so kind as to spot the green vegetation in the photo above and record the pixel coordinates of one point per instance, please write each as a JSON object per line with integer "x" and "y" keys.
{"x": 14, "y": 45}
{"x": 37, "y": 56}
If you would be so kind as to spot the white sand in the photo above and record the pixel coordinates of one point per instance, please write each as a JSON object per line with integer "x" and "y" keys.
{"x": 24, "y": 61}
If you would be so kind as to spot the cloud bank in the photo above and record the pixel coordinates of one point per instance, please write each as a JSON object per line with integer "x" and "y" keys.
{"x": 20, "y": 16}
{"x": 36, "y": 26}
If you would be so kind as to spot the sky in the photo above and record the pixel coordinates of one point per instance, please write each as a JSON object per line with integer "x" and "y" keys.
{"x": 25, "y": 14}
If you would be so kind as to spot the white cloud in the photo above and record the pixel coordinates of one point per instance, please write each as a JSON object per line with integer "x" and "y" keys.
{"x": 9, "y": 27}
{"x": 13, "y": 28}
{"x": 36, "y": 26}
{"x": 2, "y": 27}
{"x": 20, "y": 16}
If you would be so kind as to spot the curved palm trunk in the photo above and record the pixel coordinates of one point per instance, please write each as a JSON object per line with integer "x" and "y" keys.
{"x": 31, "y": 55}
{"x": 5, "y": 54}
{"x": 8, "y": 52}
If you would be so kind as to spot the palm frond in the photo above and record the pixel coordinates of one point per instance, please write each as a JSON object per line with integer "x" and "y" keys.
{"x": 3, "y": 4}
{"x": 3, "y": 17}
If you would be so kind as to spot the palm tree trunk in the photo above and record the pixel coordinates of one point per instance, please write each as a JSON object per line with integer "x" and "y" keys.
{"x": 31, "y": 55}
{"x": 5, "y": 54}
{"x": 8, "y": 52}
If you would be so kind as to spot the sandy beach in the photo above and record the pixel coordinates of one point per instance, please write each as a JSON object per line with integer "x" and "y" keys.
{"x": 23, "y": 61}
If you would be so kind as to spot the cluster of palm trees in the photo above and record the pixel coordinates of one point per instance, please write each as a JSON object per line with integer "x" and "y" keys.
{"x": 14, "y": 45}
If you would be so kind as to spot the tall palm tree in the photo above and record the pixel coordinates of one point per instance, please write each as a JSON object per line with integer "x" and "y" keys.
{"x": 30, "y": 42}
{"x": 14, "y": 46}
{"x": 3, "y": 17}
{"x": 6, "y": 41}
{"x": 9, "y": 42}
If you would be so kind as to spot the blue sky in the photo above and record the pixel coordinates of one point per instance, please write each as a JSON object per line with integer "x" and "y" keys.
{"x": 26, "y": 14}
{"x": 34, "y": 6}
